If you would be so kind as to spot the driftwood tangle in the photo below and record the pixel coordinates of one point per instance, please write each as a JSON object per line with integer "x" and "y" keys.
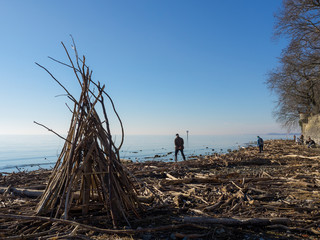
{"x": 89, "y": 162}
{"x": 239, "y": 195}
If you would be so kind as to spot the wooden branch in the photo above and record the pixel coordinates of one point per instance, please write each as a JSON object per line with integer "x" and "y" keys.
{"x": 101, "y": 230}
{"x": 69, "y": 95}
{"x": 73, "y": 67}
{"x": 238, "y": 222}
{"x": 108, "y": 96}
{"x": 50, "y": 130}
{"x": 114, "y": 109}
{"x": 29, "y": 236}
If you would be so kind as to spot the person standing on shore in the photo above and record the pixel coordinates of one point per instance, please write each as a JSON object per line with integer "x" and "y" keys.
{"x": 178, "y": 142}
{"x": 301, "y": 139}
{"x": 260, "y": 144}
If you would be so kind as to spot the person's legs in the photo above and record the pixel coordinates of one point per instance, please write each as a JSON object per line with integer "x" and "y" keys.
{"x": 311, "y": 145}
{"x": 175, "y": 155}
{"x": 184, "y": 158}
{"x": 260, "y": 148}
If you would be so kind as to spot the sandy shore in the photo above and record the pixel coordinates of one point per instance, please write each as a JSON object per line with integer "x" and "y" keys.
{"x": 239, "y": 195}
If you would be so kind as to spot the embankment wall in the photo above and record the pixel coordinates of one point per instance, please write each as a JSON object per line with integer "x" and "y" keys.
{"x": 310, "y": 127}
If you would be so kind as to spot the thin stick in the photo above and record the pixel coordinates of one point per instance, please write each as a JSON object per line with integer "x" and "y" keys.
{"x": 69, "y": 95}
{"x": 50, "y": 130}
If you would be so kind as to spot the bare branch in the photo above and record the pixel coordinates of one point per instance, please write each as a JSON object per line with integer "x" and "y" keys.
{"x": 50, "y": 130}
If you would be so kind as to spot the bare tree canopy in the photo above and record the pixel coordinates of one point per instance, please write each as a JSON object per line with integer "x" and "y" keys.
{"x": 296, "y": 80}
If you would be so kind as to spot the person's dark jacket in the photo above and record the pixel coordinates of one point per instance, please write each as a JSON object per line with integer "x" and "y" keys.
{"x": 179, "y": 143}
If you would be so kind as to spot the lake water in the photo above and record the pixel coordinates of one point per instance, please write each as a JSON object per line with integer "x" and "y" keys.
{"x": 30, "y": 152}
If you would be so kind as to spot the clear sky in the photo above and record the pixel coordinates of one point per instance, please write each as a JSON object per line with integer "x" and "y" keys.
{"x": 169, "y": 65}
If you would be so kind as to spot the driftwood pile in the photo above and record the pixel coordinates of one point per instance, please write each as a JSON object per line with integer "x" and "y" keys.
{"x": 239, "y": 195}
{"x": 88, "y": 175}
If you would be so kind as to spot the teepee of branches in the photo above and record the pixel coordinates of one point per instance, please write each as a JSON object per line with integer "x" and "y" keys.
{"x": 88, "y": 174}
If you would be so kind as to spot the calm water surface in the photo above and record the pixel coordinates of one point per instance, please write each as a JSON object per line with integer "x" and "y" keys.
{"x": 30, "y": 152}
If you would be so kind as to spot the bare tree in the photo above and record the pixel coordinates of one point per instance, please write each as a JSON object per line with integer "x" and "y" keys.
{"x": 299, "y": 20}
{"x": 296, "y": 80}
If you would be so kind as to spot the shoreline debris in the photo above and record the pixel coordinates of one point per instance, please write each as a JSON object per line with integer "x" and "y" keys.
{"x": 238, "y": 195}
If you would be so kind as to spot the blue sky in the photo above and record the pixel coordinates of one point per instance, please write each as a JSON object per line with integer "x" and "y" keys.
{"x": 170, "y": 65}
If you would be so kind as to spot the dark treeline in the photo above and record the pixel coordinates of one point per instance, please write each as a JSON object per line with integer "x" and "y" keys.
{"x": 296, "y": 80}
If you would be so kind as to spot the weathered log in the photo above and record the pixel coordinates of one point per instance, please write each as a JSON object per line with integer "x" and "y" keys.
{"x": 171, "y": 177}
{"x": 102, "y": 230}
{"x": 238, "y": 222}
{"x": 301, "y": 156}
{"x": 31, "y": 193}
{"x": 21, "y": 192}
